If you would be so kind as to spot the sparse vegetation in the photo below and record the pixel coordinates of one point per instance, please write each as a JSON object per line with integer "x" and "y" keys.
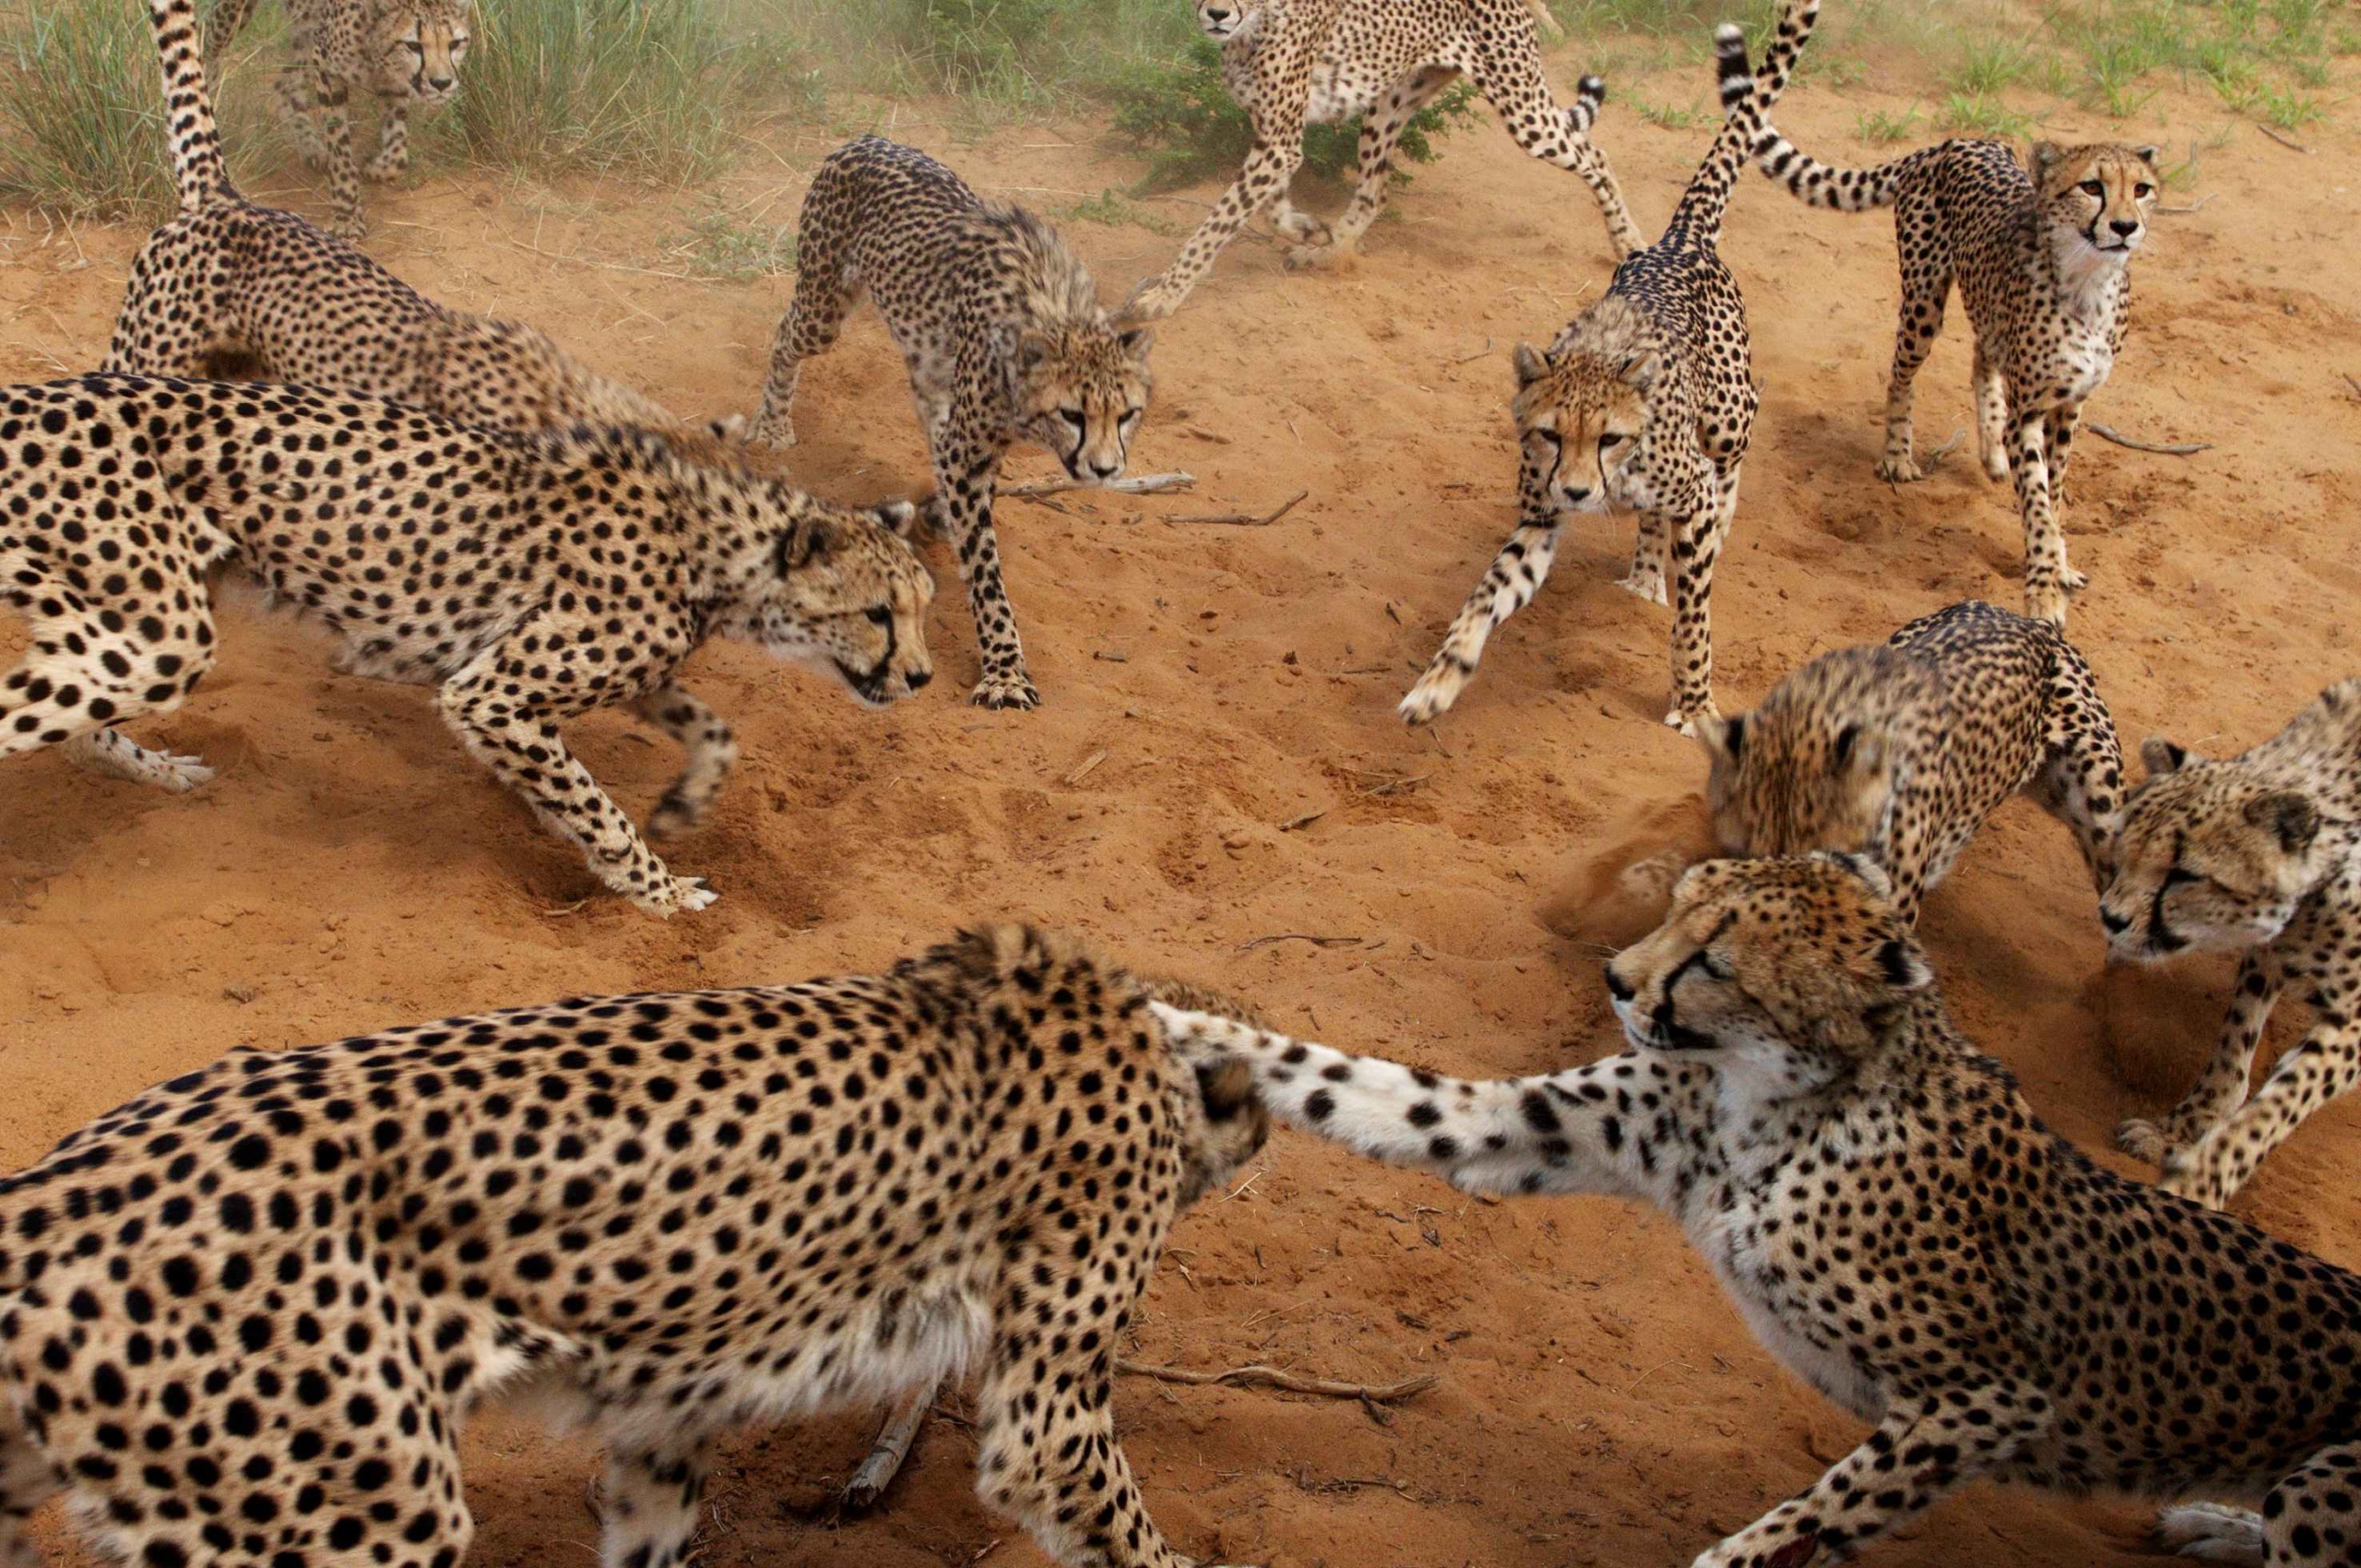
{"x": 1978, "y": 115}
{"x": 723, "y": 246}
{"x": 83, "y": 111}
{"x": 1671, "y": 116}
{"x": 1116, "y": 212}
{"x": 1879, "y": 125}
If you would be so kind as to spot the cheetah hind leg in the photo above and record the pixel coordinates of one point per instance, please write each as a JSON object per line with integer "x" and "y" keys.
{"x": 2210, "y": 1531}
{"x": 1645, "y": 578}
{"x": 393, "y": 146}
{"x": 1991, "y": 418}
{"x": 649, "y": 1509}
{"x": 293, "y": 93}
{"x": 27, "y": 1481}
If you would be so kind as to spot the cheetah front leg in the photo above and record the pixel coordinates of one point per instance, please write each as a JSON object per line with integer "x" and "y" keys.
{"x": 507, "y": 719}
{"x": 1520, "y": 95}
{"x": 1991, "y": 415}
{"x": 2324, "y": 1066}
{"x": 296, "y": 114}
{"x": 2080, "y": 780}
{"x": 1696, "y": 547}
{"x": 825, "y": 291}
{"x": 649, "y": 1509}
{"x": 114, "y": 754}
{"x": 2220, "y": 1088}
{"x": 27, "y": 1479}
{"x": 1270, "y": 170}
{"x": 1924, "y": 296}
{"x": 2310, "y": 1516}
{"x": 1380, "y": 133}
{"x": 334, "y": 98}
{"x": 1926, "y": 1446}
{"x": 58, "y": 697}
{"x": 2047, "y": 578}
{"x": 712, "y": 752}
{"x": 965, "y": 478}
{"x": 393, "y": 144}
{"x": 1515, "y": 575}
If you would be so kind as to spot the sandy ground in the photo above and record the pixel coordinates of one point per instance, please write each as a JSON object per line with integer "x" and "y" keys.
{"x": 1205, "y": 686}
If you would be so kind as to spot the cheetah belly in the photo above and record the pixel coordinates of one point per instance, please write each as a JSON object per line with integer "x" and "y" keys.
{"x": 1730, "y": 1242}
{"x": 1338, "y": 92}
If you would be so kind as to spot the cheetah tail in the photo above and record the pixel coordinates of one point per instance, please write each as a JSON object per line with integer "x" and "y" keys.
{"x": 1746, "y": 97}
{"x": 1821, "y": 185}
{"x": 198, "y": 169}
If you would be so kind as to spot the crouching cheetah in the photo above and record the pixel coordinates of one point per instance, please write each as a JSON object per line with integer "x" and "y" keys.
{"x": 1901, "y": 750}
{"x": 1004, "y": 336}
{"x": 1898, "y": 1228}
{"x": 243, "y": 1317}
{"x": 232, "y": 290}
{"x": 403, "y": 52}
{"x": 2259, "y": 854}
{"x": 1645, "y": 401}
{"x": 529, "y": 579}
{"x": 1293, "y": 63}
{"x": 2045, "y": 264}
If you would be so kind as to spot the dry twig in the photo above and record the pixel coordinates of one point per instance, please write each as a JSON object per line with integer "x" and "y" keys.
{"x": 1271, "y": 1377}
{"x": 2284, "y": 141}
{"x": 1146, "y": 484}
{"x": 1303, "y": 937}
{"x": 2168, "y": 448}
{"x": 1478, "y": 354}
{"x": 2192, "y": 207}
{"x": 1083, "y": 772}
{"x": 1241, "y": 519}
{"x": 1306, "y": 820}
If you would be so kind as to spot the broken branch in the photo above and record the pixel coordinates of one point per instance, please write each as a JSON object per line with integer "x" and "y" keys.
{"x": 1146, "y": 484}
{"x": 1271, "y": 1377}
{"x": 1302, "y": 936}
{"x": 1241, "y": 519}
{"x": 2274, "y": 135}
{"x": 2169, "y": 448}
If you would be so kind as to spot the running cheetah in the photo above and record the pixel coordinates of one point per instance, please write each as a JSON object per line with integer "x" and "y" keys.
{"x": 1901, "y": 750}
{"x": 1293, "y": 63}
{"x": 244, "y": 1317}
{"x": 1002, "y": 334}
{"x": 403, "y": 52}
{"x": 1646, "y": 400}
{"x": 529, "y": 579}
{"x": 2259, "y": 854}
{"x": 2045, "y": 264}
{"x": 1898, "y": 1228}
{"x": 232, "y": 290}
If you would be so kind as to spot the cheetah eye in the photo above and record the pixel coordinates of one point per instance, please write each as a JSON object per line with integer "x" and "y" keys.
{"x": 2094, "y": 188}
{"x": 1076, "y": 418}
{"x": 878, "y": 614}
{"x": 2178, "y": 877}
{"x": 413, "y": 45}
{"x": 1552, "y": 436}
{"x": 1714, "y": 967}
{"x": 1610, "y": 441}
{"x": 2144, "y": 190}
{"x": 1131, "y": 415}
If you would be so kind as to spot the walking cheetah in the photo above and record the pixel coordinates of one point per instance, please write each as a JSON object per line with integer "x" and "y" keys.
{"x": 1293, "y": 63}
{"x": 529, "y": 579}
{"x": 1646, "y": 400}
{"x": 2259, "y": 854}
{"x": 402, "y": 52}
{"x": 1004, "y": 336}
{"x": 232, "y": 290}
{"x": 2045, "y": 264}
{"x": 1901, "y": 750}
{"x": 243, "y": 1317}
{"x": 1898, "y": 1228}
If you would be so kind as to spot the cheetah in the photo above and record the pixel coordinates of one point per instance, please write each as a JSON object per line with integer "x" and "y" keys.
{"x": 2044, "y": 261}
{"x": 2259, "y": 854}
{"x": 230, "y": 291}
{"x": 1004, "y": 336}
{"x": 1293, "y": 63}
{"x": 528, "y": 578}
{"x": 1646, "y": 400}
{"x": 243, "y": 1317}
{"x": 402, "y": 52}
{"x": 1901, "y": 750}
{"x": 1898, "y": 1228}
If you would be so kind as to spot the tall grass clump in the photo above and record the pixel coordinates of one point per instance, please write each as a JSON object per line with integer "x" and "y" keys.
{"x": 656, "y": 88}
{"x": 81, "y": 110}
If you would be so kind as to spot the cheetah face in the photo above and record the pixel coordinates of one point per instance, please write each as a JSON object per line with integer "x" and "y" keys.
{"x": 421, "y": 60}
{"x": 1226, "y": 20}
{"x": 1080, "y": 392}
{"x": 1779, "y": 784}
{"x": 852, "y": 597}
{"x": 1789, "y": 964}
{"x": 1578, "y": 418}
{"x": 2208, "y": 858}
{"x": 2102, "y": 194}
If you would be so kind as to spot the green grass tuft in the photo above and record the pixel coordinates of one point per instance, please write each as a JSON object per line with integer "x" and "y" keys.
{"x": 1875, "y": 125}
{"x": 1978, "y": 114}
{"x": 81, "y": 111}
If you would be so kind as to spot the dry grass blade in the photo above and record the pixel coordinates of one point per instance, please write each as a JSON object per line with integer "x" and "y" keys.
{"x": 1271, "y": 1377}
{"x": 2292, "y": 145}
{"x": 1083, "y": 772}
{"x": 2168, "y": 448}
{"x": 1242, "y": 519}
{"x": 1302, "y": 936}
{"x": 2194, "y": 206}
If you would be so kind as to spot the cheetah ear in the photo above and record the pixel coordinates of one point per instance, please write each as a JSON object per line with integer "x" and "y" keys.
{"x": 1032, "y": 349}
{"x": 1639, "y": 369}
{"x": 1724, "y": 739}
{"x": 2149, "y": 155}
{"x": 1904, "y": 966}
{"x": 1859, "y": 751}
{"x": 1532, "y": 364}
{"x": 2045, "y": 153}
{"x": 1867, "y": 870}
{"x": 899, "y": 518}
{"x": 1135, "y": 341}
{"x": 2162, "y": 756}
{"x": 2290, "y": 816}
{"x": 803, "y": 545}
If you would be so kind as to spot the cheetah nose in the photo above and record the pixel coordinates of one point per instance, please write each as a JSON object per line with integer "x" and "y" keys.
{"x": 1616, "y": 987}
{"x": 918, "y": 678}
{"x": 1577, "y": 493}
{"x": 1213, "y": 15}
{"x": 2125, "y": 226}
{"x": 442, "y": 84}
{"x": 2115, "y": 924}
{"x": 1107, "y": 470}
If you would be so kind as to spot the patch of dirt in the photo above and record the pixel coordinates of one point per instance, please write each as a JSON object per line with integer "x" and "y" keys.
{"x": 1600, "y": 1403}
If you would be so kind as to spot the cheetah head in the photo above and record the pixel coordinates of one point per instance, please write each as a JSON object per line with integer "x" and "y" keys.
{"x": 2097, "y": 199}
{"x": 425, "y": 42}
{"x": 1581, "y": 407}
{"x": 1793, "y": 967}
{"x": 1081, "y": 388}
{"x": 1818, "y": 765}
{"x": 2209, "y": 856}
{"x": 842, "y": 589}
{"x": 1226, "y": 20}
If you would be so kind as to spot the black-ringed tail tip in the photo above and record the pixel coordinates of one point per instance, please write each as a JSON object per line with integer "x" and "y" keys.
{"x": 1593, "y": 88}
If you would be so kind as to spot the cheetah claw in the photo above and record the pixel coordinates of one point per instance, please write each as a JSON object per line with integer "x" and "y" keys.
{"x": 2210, "y": 1530}
{"x": 1005, "y": 692}
{"x": 2142, "y": 1139}
{"x": 679, "y": 895}
{"x": 1900, "y": 469}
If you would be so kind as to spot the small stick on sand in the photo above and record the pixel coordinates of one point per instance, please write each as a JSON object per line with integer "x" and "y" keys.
{"x": 1241, "y": 519}
{"x": 2274, "y": 135}
{"x": 2192, "y": 207}
{"x": 1302, "y": 936}
{"x": 2168, "y": 448}
{"x": 1271, "y": 1377}
{"x": 1083, "y": 772}
{"x": 1465, "y": 359}
{"x": 1951, "y": 443}
{"x": 2349, "y": 381}
{"x": 1306, "y": 820}
{"x": 885, "y": 1456}
{"x": 1146, "y": 484}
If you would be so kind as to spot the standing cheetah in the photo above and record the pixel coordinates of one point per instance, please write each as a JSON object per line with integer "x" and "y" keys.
{"x": 2044, "y": 265}
{"x": 528, "y": 580}
{"x": 1899, "y": 1230}
{"x": 1901, "y": 750}
{"x": 403, "y": 52}
{"x": 1293, "y": 63}
{"x": 244, "y": 1317}
{"x": 229, "y": 289}
{"x": 1646, "y": 400}
{"x": 2259, "y": 854}
{"x": 1004, "y": 336}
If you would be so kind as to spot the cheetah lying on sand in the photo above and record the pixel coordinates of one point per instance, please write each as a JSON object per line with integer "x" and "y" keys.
{"x": 2259, "y": 854}
{"x": 1898, "y": 1228}
{"x": 232, "y": 290}
{"x": 1901, "y": 750}
{"x": 529, "y": 578}
{"x": 1004, "y": 336}
{"x": 244, "y": 1317}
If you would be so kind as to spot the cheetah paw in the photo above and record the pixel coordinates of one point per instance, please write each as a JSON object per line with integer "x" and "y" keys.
{"x": 671, "y": 818}
{"x": 1434, "y": 694}
{"x": 2076, "y": 581}
{"x": 2047, "y": 604}
{"x": 1685, "y": 720}
{"x": 1996, "y": 466}
{"x": 1303, "y": 229}
{"x": 2142, "y": 1139}
{"x": 354, "y": 228}
{"x": 2184, "y": 1179}
{"x": 1005, "y": 690}
{"x": 179, "y": 775}
{"x": 1644, "y": 585}
{"x": 1899, "y": 467}
{"x": 676, "y": 896}
{"x": 385, "y": 170}
{"x": 1152, "y": 301}
{"x": 2210, "y": 1531}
